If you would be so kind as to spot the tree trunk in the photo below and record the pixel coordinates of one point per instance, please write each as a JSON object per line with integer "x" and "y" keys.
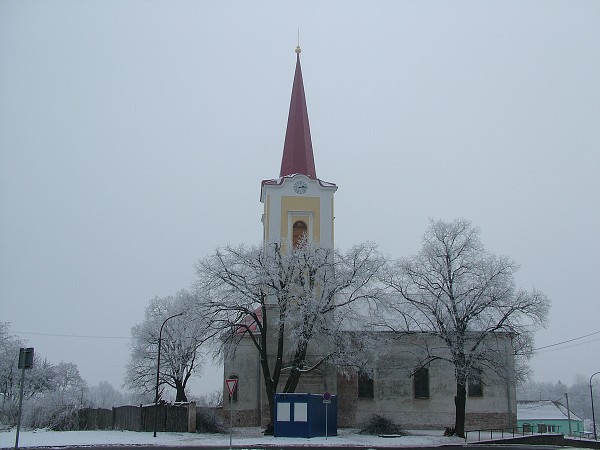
{"x": 460, "y": 401}
{"x": 180, "y": 397}
{"x": 270, "y": 384}
{"x": 294, "y": 375}
{"x": 271, "y": 400}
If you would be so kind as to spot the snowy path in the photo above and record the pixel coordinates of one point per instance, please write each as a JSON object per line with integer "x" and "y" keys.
{"x": 251, "y": 437}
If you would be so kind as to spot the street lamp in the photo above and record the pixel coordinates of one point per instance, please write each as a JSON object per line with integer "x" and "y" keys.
{"x": 158, "y": 372}
{"x": 593, "y": 415}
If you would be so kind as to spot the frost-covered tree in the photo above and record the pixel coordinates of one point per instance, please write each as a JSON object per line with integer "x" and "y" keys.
{"x": 9, "y": 373}
{"x": 180, "y": 349}
{"x": 68, "y": 379}
{"x": 104, "y": 395}
{"x": 466, "y": 296}
{"x": 57, "y": 407}
{"x": 38, "y": 380}
{"x": 282, "y": 299}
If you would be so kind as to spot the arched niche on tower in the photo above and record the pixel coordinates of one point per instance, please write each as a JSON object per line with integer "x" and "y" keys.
{"x": 299, "y": 233}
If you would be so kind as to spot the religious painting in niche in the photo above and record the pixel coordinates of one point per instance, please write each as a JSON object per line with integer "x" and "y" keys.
{"x": 299, "y": 233}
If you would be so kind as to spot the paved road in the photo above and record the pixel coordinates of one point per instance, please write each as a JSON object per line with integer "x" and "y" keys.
{"x": 457, "y": 447}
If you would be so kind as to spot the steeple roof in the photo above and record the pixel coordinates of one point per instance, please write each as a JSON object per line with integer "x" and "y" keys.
{"x": 297, "y": 148}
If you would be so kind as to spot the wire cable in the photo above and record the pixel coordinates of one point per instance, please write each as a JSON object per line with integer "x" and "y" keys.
{"x": 567, "y": 341}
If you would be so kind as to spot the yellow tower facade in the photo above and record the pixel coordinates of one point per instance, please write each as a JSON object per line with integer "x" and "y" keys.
{"x": 298, "y": 204}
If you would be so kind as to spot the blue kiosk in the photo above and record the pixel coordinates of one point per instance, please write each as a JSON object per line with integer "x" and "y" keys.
{"x": 305, "y": 415}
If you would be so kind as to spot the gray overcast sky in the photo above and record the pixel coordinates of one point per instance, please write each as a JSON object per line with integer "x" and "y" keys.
{"x": 134, "y": 136}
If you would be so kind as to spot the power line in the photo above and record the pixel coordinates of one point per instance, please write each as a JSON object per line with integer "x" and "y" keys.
{"x": 129, "y": 337}
{"x": 565, "y": 347}
{"x": 567, "y": 341}
{"x": 73, "y": 335}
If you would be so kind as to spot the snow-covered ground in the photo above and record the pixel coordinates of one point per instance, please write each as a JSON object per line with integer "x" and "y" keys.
{"x": 245, "y": 437}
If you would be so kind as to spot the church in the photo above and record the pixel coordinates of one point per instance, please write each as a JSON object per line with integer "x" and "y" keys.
{"x": 299, "y": 205}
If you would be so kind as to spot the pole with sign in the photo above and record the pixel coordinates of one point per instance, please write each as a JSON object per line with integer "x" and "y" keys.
{"x": 231, "y": 385}
{"x": 326, "y": 401}
{"x": 25, "y": 362}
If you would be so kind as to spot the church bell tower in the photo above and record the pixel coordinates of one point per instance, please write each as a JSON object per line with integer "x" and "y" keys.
{"x": 298, "y": 204}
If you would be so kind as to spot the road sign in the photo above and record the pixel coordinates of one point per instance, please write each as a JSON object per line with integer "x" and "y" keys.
{"x": 231, "y": 384}
{"x": 326, "y": 401}
{"x": 26, "y": 358}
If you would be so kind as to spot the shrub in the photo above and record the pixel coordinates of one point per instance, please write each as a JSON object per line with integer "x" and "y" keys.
{"x": 44, "y": 413}
{"x": 378, "y": 425}
{"x": 208, "y": 421}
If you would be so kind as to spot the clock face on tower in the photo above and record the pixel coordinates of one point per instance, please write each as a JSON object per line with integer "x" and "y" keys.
{"x": 300, "y": 187}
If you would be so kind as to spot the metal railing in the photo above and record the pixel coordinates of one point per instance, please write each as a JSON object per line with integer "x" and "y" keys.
{"x": 584, "y": 434}
{"x": 501, "y": 433}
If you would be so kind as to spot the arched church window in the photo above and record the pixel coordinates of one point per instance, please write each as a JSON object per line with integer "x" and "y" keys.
{"x": 299, "y": 233}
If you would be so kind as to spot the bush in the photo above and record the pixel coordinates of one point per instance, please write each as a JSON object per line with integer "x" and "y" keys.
{"x": 43, "y": 413}
{"x": 449, "y": 431}
{"x": 378, "y": 425}
{"x": 208, "y": 421}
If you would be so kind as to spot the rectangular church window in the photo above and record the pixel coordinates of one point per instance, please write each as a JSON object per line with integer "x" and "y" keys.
{"x": 421, "y": 383}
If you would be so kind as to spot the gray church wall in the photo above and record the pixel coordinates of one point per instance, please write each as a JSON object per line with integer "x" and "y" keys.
{"x": 245, "y": 365}
{"x": 393, "y": 392}
{"x": 393, "y": 389}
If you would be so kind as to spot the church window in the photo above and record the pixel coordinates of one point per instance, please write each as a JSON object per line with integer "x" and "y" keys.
{"x": 475, "y": 385}
{"x": 365, "y": 385}
{"x": 234, "y": 398}
{"x": 299, "y": 233}
{"x": 421, "y": 383}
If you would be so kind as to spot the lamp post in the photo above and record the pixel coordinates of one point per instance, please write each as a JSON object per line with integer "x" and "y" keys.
{"x": 592, "y": 398}
{"x": 158, "y": 371}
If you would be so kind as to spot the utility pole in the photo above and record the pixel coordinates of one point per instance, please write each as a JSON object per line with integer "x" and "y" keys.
{"x": 158, "y": 371}
{"x": 593, "y": 414}
{"x": 568, "y": 413}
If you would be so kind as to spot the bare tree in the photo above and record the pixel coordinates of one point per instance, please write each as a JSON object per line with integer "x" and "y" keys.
{"x": 457, "y": 291}
{"x": 180, "y": 346}
{"x": 283, "y": 299}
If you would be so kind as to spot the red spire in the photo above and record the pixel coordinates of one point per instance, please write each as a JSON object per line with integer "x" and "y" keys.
{"x": 297, "y": 149}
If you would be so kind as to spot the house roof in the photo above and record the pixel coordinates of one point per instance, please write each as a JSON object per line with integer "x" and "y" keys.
{"x": 543, "y": 410}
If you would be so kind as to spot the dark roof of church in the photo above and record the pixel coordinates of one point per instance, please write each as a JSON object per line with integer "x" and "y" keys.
{"x": 297, "y": 148}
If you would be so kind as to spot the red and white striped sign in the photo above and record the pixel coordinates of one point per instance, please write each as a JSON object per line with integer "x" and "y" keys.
{"x": 231, "y": 384}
